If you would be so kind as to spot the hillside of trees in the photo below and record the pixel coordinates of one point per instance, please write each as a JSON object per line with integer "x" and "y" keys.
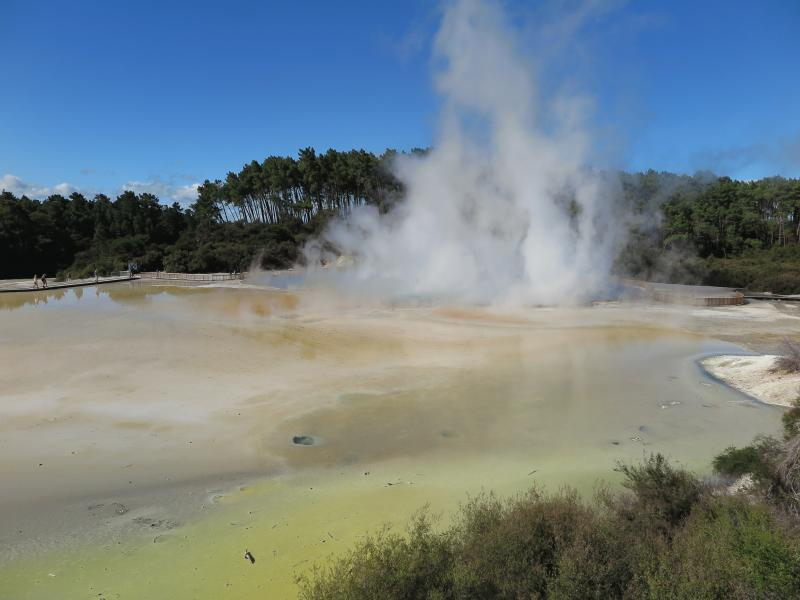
{"x": 684, "y": 229}
{"x": 267, "y": 211}
{"x": 713, "y": 230}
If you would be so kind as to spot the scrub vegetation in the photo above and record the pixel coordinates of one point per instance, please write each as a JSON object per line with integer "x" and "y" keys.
{"x": 668, "y": 535}
{"x": 789, "y": 359}
{"x": 682, "y": 229}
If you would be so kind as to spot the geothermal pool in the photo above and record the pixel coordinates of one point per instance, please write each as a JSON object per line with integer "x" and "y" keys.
{"x": 146, "y": 433}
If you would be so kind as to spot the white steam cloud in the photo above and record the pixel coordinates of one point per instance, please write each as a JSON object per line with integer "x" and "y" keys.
{"x": 503, "y": 208}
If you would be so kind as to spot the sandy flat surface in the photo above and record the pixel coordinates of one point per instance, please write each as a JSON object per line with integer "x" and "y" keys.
{"x": 161, "y": 418}
{"x": 756, "y": 376}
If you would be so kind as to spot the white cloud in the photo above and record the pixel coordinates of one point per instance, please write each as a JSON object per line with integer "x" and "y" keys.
{"x": 182, "y": 194}
{"x": 15, "y": 185}
{"x": 166, "y": 192}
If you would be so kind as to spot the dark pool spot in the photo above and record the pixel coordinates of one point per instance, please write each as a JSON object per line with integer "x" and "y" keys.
{"x": 615, "y": 442}
{"x": 303, "y": 440}
{"x": 448, "y": 433}
{"x": 644, "y": 428}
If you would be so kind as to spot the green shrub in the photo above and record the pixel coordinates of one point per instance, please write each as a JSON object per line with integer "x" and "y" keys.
{"x": 513, "y": 549}
{"x": 775, "y": 270}
{"x": 729, "y": 549}
{"x": 785, "y": 489}
{"x": 791, "y": 420}
{"x": 663, "y": 496}
{"x": 789, "y": 359}
{"x": 736, "y": 462}
{"x": 758, "y": 460}
{"x": 603, "y": 561}
{"x": 417, "y": 566}
{"x": 663, "y": 539}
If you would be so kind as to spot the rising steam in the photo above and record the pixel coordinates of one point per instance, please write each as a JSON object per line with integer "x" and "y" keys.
{"x": 503, "y": 208}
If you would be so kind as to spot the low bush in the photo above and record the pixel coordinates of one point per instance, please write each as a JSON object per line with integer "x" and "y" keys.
{"x": 392, "y": 566}
{"x": 736, "y": 462}
{"x": 663, "y": 496}
{"x": 789, "y": 359}
{"x": 791, "y": 420}
{"x": 758, "y": 459}
{"x": 515, "y": 549}
{"x": 729, "y": 548}
{"x": 667, "y": 537}
{"x": 775, "y": 270}
{"x": 785, "y": 490}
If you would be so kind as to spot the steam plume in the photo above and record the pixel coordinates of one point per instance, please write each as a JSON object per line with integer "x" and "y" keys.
{"x": 502, "y": 209}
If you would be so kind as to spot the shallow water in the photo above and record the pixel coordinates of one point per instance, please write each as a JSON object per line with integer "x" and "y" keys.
{"x": 180, "y": 404}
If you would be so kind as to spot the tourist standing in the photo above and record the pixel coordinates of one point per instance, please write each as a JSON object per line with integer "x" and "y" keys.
{"x": 36, "y": 281}
{"x": 44, "y": 280}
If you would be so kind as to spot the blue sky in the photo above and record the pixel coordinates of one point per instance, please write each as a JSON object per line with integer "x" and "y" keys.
{"x": 101, "y": 95}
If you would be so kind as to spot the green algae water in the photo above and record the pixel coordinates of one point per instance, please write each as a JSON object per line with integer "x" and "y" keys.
{"x": 150, "y": 433}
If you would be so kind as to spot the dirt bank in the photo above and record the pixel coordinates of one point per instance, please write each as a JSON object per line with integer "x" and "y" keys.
{"x": 756, "y": 376}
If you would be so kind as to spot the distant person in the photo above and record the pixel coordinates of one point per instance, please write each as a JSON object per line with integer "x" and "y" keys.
{"x": 36, "y": 281}
{"x": 96, "y": 278}
{"x": 44, "y": 280}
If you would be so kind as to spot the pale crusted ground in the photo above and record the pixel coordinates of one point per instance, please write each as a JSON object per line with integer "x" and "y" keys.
{"x": 756, "y": 376}
{"x": 136, "y": 410}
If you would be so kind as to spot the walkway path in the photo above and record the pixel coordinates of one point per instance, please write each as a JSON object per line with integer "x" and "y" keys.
{"x": 26, "y": 285}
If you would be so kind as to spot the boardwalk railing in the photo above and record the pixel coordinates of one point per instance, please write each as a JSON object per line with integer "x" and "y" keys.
{"x": 191, "y": 276}
{"x": 684, "y": 294}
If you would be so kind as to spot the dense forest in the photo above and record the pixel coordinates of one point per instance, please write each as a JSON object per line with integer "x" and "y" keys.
{"x": 267, "y": 211}
{"x": 713, "y": 230}
{"x": 687, "y": 229}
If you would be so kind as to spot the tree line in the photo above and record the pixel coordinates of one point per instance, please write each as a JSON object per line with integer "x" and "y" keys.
{"x": 687, "y": 229}
{"x": 58, "y": 233}
{"x": 265, "y": 210}
{"x": 713, "y": 230}
{"x": 718, "y": 216}
{"x": 282, "y": 188}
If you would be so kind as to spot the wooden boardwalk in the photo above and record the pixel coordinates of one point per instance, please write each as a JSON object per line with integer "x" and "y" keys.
{"x": 691, "y": 295}
{"x": 775, "y": 297}
{"x": 25, "y": 285}
{"x": 191, "y": 276}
